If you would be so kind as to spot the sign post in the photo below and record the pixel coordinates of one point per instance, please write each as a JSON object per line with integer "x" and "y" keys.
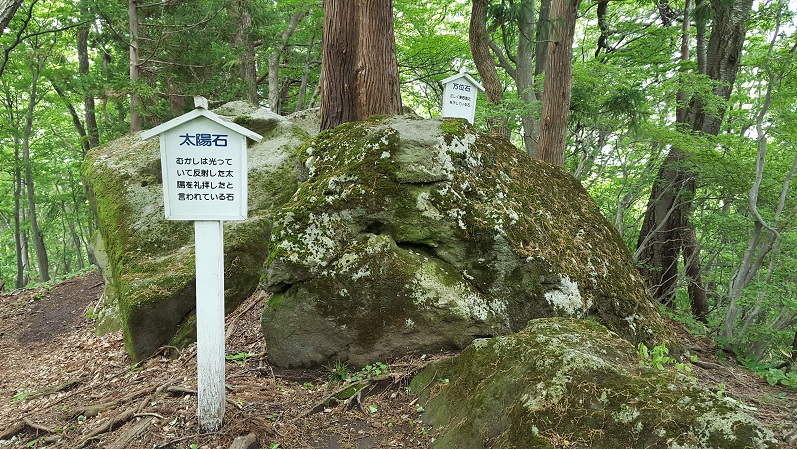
{"x": 204, "y": 169}
{"x": 459, "y": 95}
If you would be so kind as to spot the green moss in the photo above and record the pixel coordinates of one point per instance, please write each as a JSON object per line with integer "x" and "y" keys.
{"x": 456, "y": 127}
{"x": 150, "y": 261}
{"x": 260, "y": 126}
{"x": 573, "y": 380}
{"x": 515, "y": 230}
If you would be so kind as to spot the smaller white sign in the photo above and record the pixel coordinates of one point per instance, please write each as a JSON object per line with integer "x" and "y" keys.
{"x": 459, "y": 96}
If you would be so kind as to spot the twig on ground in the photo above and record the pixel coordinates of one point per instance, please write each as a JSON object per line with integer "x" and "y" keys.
{"x": 250, "y": 303}
{"x": 131, "y": 435}
{"x": 55, "y": 389}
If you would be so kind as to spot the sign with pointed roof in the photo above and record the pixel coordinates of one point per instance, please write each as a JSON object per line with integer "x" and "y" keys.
{"x": 204, "y": 166}
{"x": 459, "y": 95}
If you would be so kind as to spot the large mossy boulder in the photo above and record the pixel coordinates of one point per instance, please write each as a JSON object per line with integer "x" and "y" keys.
{"x": 148, "y": 262}
{"x": 573, "y": 383}
{"x": 413, "y": 235}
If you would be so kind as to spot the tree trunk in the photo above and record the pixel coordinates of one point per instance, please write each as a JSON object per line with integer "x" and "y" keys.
{"x": 669, "y": 209}
{"x": 358, "y": 62}
{"x": 275, "y": 57}
{"x": 697, "y": 290}
{"x": 666, "y": 221}
{"x": 378, "y": 88}
{"x": 92, "y": 138}
{"x": 558, "y": 82}
{"x": 485, "y": 63}
{"x": 38, "y": 238}
{"x": 18, "y": 241}
{"x": 524, "y": 78}
{"x": 724, "y": 55}
{"x": 542, "y": 35}
{"x": 242, "y": 21}
{"x": 135, "y": 101}
{"x": 301, "y": 98}
{"x": 7, "y": 13}
{"x": 603, "y": 26}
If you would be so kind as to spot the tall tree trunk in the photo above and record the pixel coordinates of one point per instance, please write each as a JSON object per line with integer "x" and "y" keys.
{"x": 18, "y": 241}
{"x": 524, "y": 78}
{"x": 38, "y": 238}
{"x": 668, "y": 216}
{"x": 359, "y": 69}
{"x": 301, "y": 98}
{"x": 242, "y": 21}
{"x": 9, "y": 8}
{"x": 275, "y": 57}
{"x": 338, "y": 59}
{"x": 135, "y": 101}
{"x": 92, "y": 138}
{"x": 558, "y": 82}
{"x": 666, "y": 221}
{"x": 542, "y": 34}
{"x": 724, "y": 55}
{"x": 378, "y": 88}
{"x": 485, "y": 63}
{"x": 680, "y": 96}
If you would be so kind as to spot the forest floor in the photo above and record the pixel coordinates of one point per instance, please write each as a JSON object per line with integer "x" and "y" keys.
{"x": 62, "y": 386}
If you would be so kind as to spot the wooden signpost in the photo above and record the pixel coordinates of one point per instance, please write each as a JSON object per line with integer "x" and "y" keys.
{"x": 459, "y": 95}
{"x": 204, "y": 168}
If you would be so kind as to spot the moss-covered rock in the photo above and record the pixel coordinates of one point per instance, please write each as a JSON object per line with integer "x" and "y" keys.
{"x": 573, "y": 383}
{"x": 148, "y": 262}
{"x": 419, "y": 235}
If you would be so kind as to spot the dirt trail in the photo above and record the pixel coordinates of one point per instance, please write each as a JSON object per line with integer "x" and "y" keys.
{"x": 61, "y": 386}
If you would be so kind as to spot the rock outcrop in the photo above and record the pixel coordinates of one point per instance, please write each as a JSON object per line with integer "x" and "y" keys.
{"x": 414, "y": 235}
{"x": 148, "y": 262}
{"x": 575, "y": 384}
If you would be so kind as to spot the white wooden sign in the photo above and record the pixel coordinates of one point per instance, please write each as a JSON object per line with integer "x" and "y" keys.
{"x": 203, "y": 163}
{"x": 459, "y": 96}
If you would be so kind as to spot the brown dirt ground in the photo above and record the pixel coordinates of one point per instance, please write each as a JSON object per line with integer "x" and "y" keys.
{"x": 61, "y": 386}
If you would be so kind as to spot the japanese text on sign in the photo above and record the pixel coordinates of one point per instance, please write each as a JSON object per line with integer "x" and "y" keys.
{"x": 204, "y": 140}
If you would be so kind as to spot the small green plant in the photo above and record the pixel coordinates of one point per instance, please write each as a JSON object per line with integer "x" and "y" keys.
{"x": 21, "y": 396}
{"x": 194, "y": 446}
{"x": 658, "y": 358}
{"x": 307, "y": 385}
{"x": 369, "y": 371}
{"x": 92, "y": 314}
{"x": 339, "y": 373}
{"x": 239, "y": 357}
{"x": 776, "y": 376}
{"x": 274, "y": 446}
{"x": 373, "y": 409}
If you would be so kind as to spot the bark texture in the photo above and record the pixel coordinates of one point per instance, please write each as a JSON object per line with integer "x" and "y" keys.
{"x": 358, "y": 62}
{"x": 485, "y": 63}
{"x": 558, "y": 82}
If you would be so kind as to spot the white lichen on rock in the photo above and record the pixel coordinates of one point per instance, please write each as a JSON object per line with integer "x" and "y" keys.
{"x": 566, "y": 298}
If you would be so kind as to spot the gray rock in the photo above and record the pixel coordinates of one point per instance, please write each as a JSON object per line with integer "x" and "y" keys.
{"x": 245, "y": 442}
{"x": 414, "y": 235}
{"x": 573, "y": 383}
{"x": 148, "y": 262}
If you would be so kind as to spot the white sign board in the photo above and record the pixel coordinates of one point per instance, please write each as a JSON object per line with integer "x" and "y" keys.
{"x": 204, "y": 172}
{"x": 459, "y": 96}
{"x": 203, "y": 163}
